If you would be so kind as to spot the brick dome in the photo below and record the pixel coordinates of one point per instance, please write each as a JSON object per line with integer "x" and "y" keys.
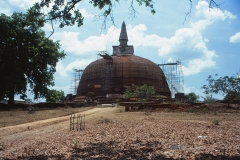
{"x": 110, "y": 74}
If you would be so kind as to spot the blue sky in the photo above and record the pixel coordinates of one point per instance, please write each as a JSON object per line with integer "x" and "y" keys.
{"x": 207, "y": 43}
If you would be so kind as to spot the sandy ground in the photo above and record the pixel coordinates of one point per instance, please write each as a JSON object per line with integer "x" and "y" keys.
{"x": 40, "y": 129}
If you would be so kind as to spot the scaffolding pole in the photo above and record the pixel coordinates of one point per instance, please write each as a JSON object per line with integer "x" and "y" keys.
{"x": 75, "y": 80}
{"x": 174, "y": 76}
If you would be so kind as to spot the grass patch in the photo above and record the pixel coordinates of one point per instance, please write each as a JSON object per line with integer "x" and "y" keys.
{"x": 166, "y": 110}
{"x": 75, "y": 144}
{"x": 105, "y": 120}
{"x": 120, "y": 110}
{"x": 30, "y": 111}
{"x": 216, "y": 122}
{"x": 2, "y": 147}
{"x": 148, "y": 112}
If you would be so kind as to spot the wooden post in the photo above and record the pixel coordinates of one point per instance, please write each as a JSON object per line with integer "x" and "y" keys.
{"x": 84, "y": 121}
{"x": 80, "y": 122}
{"x": 70, "y": 122}
{"x": 77, "y": 122}
{"x": 72, "y": 117}
{"x": 126, "y": 108}
{"x": 73, "y": 120}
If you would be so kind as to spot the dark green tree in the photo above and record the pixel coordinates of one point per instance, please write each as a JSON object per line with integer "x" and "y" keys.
{"x": 141, "y": 92}
{"x": 232, "y": 95}
{"x": 27, "y": 58}
{"x": 54, "y": 96}
{"x": 228, "y": 86}
{"x": 192, "y": 97}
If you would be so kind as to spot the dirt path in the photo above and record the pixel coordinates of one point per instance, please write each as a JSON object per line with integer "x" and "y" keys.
{"x": 40, "y": 129}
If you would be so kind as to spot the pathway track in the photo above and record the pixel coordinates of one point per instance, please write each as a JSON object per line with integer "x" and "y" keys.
{"x": 44, "y": 128}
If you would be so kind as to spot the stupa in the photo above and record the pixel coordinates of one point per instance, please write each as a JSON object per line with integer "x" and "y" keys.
{"x": 112, "y": 73}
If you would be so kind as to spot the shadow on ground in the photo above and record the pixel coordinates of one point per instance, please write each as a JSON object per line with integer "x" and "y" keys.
{"x": 113, "y": 150}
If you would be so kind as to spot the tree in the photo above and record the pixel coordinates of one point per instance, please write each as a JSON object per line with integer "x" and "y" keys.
{"x": 141, "y": 92}
{"x": 192, "y": 97}
{"x": 54, "y": 96}
{"x": 67, "y": 14}
{"x": 232, "y": 95}
{"x": 228, "y": 86}
{"x": 27, "y": 58}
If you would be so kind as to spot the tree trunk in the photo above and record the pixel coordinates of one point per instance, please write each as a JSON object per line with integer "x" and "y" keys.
{"x": 11, "y": 97}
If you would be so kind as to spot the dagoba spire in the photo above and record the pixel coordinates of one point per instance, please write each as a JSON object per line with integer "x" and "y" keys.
{"x": 123, "y": 38}
{"x": 123, "y": 48}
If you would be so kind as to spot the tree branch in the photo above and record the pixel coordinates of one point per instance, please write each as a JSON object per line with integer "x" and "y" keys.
{"x": 52, "y": 29}
{"x": 212, "y": 4}
{"x": 67, "y": 14}
{"x": 132, "y": 11}
{"x": 188, "y": 14}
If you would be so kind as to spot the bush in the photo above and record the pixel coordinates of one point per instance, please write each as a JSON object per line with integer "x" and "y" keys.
{"x": 216, "y": 122}
{"x": 2, "y": 146}
{"x": 209, "y": 99}
{"x": 75, "y": 144}
{"x": 105, "y": 120}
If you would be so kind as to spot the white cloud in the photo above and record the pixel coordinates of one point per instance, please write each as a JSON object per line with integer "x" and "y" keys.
{"x": 188, "y": 89}
{"x": 197, "y": 65}
{"x": 192, "y": 48}
{"x": 65, "y": 89}
{"x": 235, "y": 38}
{"x": 77, "y": 64}
{"x": 23, "y": 3}
{"x": 187, "y": 42}
{"x": 71, "y": 41}
{"x": 184, "y": 39}
{"x": 4, "y": 8}
{"x": 210, "y": 15}
{"x": 85, "y": 14}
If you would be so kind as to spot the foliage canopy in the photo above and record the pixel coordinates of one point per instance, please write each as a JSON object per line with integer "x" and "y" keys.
{"x": 209, "y": 99}
{"x": 67, "y": 13}
{"x": 192, "y": 97}
{"x": 228, "y": 86}
{"x": 141, "y": 92}
{"x": 27, "y": 58}
{"x": 54, "y": 95}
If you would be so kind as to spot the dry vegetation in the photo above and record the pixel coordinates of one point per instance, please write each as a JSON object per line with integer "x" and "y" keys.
{"x": 19, "y": 116}
{"x": 112, "y": 133}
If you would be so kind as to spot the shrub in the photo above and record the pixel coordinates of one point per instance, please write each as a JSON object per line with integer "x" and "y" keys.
{"x": 2, "y": 146}
{"x": 205, "y": 110}
{"x": 105, "y": 120}
{"x": 120, "y": 110}
{"x": 75, "y": 144}
{"x": 209, "y": 99}
{"x": 216, "y": 122}
{"x": 148, "y": 112}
